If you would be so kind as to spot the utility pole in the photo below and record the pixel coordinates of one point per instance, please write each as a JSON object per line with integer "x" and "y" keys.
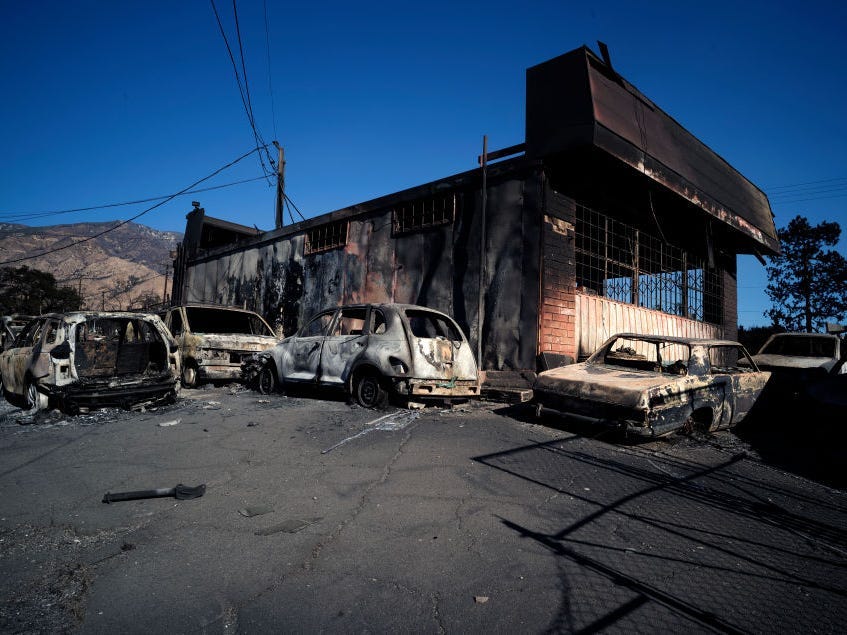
{"x": 165, "y": 290}
{"x": 280, "y": 186}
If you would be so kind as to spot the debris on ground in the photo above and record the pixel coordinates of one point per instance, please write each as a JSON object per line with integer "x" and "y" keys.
{"x": 180, "y": 492}
{"x": 255, "y": 510}
{"x": 291, "y": 526}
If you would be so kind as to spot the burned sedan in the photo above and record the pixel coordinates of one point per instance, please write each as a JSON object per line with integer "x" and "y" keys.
{"x": 803, "y": 356}
{"x": 653, "y": 385}
{"x": 805, "y": 367}
{"x": 214, "y": 340}
{"x": 373, "y": 351}
{"x": 91, "y": 359}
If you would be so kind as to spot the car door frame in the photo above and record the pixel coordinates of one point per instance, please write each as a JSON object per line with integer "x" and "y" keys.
{"x": 306, "y": 351}
{"x": 340, "y": 352}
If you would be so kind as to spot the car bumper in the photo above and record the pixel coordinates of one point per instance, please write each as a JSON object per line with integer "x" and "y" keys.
{"x": 440, "y": 388}
{"x": 111, "y": 393}
{"x": 219, "y": 371}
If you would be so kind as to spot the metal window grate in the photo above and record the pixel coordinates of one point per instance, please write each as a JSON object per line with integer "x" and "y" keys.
{"x": 423, "y": 213}
{"x": 623, "y": 263}
{"x": 325, "y": 237}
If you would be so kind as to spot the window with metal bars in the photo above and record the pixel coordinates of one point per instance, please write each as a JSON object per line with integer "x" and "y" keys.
{"x": 620, "y": 262}
{"x": 424, "y": 213}
{"x": 325, "y": 237}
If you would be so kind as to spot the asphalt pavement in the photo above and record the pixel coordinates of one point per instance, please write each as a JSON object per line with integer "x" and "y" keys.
{"x": 322, "y": 516}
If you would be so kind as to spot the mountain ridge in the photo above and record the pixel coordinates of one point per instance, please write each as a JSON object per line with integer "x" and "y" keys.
{"x": 115, "y": 270}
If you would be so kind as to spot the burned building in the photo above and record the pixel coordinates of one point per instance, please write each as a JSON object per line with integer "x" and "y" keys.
{"x": 609, "y": 217}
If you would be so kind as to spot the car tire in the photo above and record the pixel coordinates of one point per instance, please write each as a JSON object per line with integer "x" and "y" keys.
{"x": 267, "y": 382}
{"x": 189, "y": 375}
{"x": 370, "y": 391}
{"x": 33, "y": 399}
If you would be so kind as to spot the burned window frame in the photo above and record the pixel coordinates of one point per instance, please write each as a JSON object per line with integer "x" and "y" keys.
{"x": 424, "y": 213}
{"x": 623, "y": 263}
{"x": 325, "y": 237}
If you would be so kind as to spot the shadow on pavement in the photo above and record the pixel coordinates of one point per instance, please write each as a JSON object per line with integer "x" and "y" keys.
{"x": 804, "y": 440}
{"x": 658, "y": 542}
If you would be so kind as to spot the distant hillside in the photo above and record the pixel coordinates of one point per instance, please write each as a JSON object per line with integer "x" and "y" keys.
{"x": 115, "y": 269}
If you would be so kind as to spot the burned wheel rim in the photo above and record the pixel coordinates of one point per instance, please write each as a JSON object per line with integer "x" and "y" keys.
{"x": 34, "y": 399}
{"x": 370, "y": 392}
{"x": 267, "y": 380}
{"x": 189, "y": 376}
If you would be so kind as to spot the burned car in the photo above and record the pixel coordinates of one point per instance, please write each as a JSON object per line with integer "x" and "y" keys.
{"x": 90, "y": 359}
{"x": 653, "y": 385}
{"x": 803, "y": 355}
{"x": 800, "y": 365}
{"x": 373, "y": 351}
{"x": 214, "y": 340}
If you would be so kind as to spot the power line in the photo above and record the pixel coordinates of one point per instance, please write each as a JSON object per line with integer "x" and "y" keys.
{"x": 247, "y": 84}
{"x": 139, "y": 215}
{"x": 29, "y": 215}
{"x": 243, "y": 64}
{"x": 810, "y": 198}
{"x": 287, "y": 198}
{"x": 248, "y": 111}
{"x": 244, "y": 90}
{"x": 268, "y": 50}
{"x": 782, "y": 187}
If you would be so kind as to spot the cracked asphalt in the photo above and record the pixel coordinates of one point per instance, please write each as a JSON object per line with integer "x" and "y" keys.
{"x": 321, "y": 516}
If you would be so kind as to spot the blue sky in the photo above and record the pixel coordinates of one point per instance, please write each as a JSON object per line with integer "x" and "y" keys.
{"x": 109, "y": 102}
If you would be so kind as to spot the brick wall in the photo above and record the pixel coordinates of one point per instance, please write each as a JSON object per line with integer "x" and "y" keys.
{"x": 557, "y": 328}
{"x": 730, "y": 300}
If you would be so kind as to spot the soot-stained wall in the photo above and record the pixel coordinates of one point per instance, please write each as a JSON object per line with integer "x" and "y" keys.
{"x": 438, "y": 267}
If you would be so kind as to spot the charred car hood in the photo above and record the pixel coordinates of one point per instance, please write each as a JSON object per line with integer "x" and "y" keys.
{"x": 254, "y": 343}
{"x": 768, "y": 362}
{"x": 619, "y": 386}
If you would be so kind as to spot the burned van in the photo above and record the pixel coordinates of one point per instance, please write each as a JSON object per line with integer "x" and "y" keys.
{"x": 214, "y": 340}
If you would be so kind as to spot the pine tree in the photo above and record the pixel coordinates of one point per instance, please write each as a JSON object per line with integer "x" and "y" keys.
{"x": 807, "y": 283}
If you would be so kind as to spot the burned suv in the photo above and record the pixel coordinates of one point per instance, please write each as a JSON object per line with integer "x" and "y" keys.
{"x": 373, "y": 351}
{"x": 83, "y": 359}
{"x": 214, "y": 340}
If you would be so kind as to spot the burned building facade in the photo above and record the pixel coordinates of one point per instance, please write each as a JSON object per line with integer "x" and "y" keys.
{"x": 609, "y": 217}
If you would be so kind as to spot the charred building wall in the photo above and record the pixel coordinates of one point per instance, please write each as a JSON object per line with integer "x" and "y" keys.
{"x": 418, "y": 247}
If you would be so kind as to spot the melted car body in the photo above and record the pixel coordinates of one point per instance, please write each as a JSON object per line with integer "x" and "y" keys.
{"x": 653, "y": 385}
{"x": 214, "y": 340}
{"x": 372, "y": 351}
{"x": 83, "y": 359}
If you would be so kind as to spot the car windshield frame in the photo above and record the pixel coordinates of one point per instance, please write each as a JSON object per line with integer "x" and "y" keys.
{"x": 800, "y": 346}
{"x": 234, "y": 321}
{"x": 618, "y": 354}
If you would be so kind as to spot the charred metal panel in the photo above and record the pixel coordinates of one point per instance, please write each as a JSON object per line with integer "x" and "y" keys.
{"x": 354, "y": 257}
{"x": 598, "y": 318}
{"x": 424, "y": 268}
{"x": 375, "y": 250}
{"x": 504, "y": 297}
{"x": 575, "y": 102}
